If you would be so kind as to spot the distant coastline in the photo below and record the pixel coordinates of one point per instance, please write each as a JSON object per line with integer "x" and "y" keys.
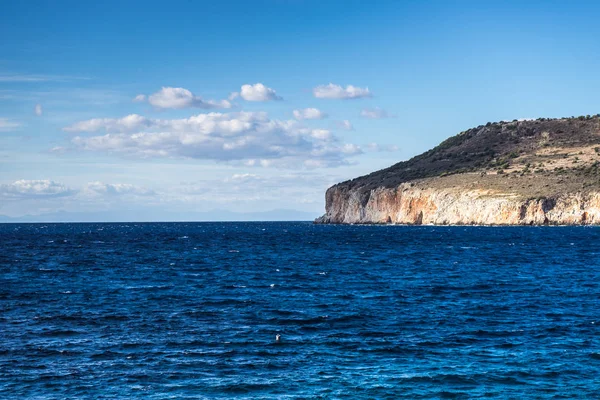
{"x": 131, "y": 216}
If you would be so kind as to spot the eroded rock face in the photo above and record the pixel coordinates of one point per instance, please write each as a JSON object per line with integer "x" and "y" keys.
{"x": 407, "y": 204}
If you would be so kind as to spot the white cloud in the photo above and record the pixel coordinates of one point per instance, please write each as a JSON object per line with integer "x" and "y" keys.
{"x": 309, "y": 113}
{"x": 374, "y": 113}
{"x": 256, "y": 92}
{"x": 31, "y": 189}
{"x": 249, "y": 137}
{"x": 345, "y": 125}
{"x": 380, "y": 148}
{"x": 38, "y": 110}
{"x": 177, "y": 98}
{"x": 117, "y": 189}
{"x": 7, "y": 125}
{"x": 129, "y": 123}
{"x": 332, "y": 91}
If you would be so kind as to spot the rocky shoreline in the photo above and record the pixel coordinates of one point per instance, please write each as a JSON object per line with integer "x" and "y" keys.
{"x": 456, "y": 206}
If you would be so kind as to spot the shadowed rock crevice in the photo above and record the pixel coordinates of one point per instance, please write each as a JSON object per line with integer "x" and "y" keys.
{"x": 419, "y": 220}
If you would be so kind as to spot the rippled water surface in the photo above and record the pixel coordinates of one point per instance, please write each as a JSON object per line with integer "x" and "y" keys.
{"x": 191, "y": 310}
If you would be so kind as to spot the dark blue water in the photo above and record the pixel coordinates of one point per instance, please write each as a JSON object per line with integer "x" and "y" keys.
{"x": 191, "y": 310}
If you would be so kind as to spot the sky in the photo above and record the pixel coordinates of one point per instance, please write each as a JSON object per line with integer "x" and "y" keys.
{"x": 198, "y": 110}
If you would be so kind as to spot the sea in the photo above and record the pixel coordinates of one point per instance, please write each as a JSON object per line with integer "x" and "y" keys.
{"x": 192, "y": 310}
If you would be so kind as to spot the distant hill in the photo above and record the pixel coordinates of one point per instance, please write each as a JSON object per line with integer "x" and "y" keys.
{"x": 149, "y": 216}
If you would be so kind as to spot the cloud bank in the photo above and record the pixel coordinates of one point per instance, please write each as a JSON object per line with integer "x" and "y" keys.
{"x": 248, "y": 137}
{"x": 25, "y": 189}
{"x": 32, "y": 189}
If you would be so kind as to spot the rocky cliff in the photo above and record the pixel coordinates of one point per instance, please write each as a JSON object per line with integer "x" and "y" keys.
{"x": 538, "y": 172}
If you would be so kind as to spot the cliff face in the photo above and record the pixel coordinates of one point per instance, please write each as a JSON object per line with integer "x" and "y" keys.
{"x": 508, "y": 173}
{"x": 454, "y": 206}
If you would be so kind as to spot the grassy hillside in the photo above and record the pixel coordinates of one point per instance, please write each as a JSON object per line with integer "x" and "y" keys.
{"x": 530, "y": 158}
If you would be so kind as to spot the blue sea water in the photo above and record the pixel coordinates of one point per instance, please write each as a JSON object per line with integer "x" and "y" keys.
{"x": 191, "y": 310}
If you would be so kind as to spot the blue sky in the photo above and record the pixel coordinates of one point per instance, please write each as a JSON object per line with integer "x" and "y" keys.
{"x": 372, "y": 83}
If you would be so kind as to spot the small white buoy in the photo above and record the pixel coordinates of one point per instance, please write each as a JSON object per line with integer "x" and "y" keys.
{"x": 278, "y": 338}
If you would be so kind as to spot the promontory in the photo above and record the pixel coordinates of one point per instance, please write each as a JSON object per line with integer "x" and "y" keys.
{"x": 523, "y": 172}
